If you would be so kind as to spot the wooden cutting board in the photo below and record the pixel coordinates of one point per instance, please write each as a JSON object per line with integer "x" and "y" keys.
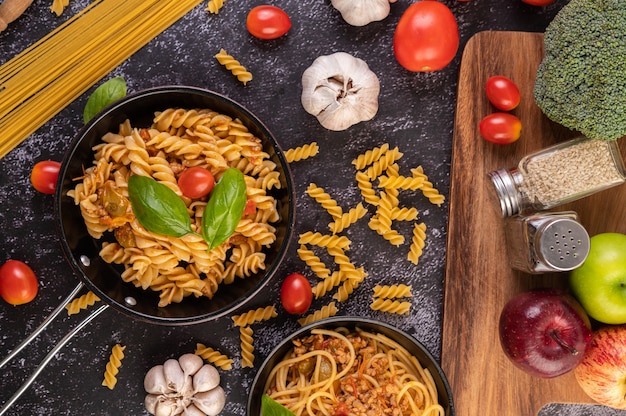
{"x": 478, "y": 279}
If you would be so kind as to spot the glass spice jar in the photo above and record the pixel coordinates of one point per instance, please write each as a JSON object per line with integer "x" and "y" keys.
{"x": 559, "y": 174}
{"x": 546, "y": 242}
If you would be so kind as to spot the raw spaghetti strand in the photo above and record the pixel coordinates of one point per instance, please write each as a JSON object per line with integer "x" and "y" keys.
{"x": 46, "y": 77}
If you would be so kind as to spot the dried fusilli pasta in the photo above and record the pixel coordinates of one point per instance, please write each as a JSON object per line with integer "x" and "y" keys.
{"x": 214, "y": 6}
{"x": 325, "y": 311}
{"x": 392, "y": 291}
{"x": 214, "y": 357}
{"x": 391, "y": 306}
{"x": 325, "y": 200}
{"x": 113, "y": 366}
{"x": 401, "y": 182}
{"x": 82, "y": 302}
{"x": 247, "y": 346}
{"x": 299, "y": 153}
{"x": 427, "y": 188}
{"x": 324, "y": 240}
{"x": 58, "y": 6}
{"x": 418, "y": 241}
{"x": 255, "y": 315}
{"x": 370, "y": 156}
{"x": 327, "y": 284}
{"x": 348, "y": 218}
{"x": 234, "y": 66}
{"x": 313, "y": 261}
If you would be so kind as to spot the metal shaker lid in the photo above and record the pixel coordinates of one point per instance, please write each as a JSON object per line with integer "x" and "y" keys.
{"x": 506, "y": 191}
{"x": 563, "y": 243}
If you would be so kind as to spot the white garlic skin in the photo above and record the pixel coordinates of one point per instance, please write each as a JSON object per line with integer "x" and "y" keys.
{"x": 362, "y": 12}
{"x": 210, "y": 402}
{"x": 185, "y": 386}
{"x": 340, "y": 90}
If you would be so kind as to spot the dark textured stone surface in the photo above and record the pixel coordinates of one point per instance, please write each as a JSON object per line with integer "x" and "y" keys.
{"x": 416, "y": 114}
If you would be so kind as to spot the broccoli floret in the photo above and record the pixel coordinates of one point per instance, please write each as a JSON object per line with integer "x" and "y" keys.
{"x": 581, "y": 82}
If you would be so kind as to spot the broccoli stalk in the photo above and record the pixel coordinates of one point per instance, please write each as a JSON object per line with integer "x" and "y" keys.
{"x": 581, "y": 82}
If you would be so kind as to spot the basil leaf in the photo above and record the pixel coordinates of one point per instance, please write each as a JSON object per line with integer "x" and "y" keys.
{"x": 225, "y": 207}
{"x": 105, "y": 94}
{"x": 157, "y": 208}
{"x": 270, "y": 407}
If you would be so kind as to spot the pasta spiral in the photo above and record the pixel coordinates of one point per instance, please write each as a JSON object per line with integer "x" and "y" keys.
{"x": 322, "y": 240}
{"x": 325, "y": 200}
{"x": 214, "y": 357}
{"x": 58, "y": 6}
{"x": 82, "y": 302}
{"x": 255, "y": 315}
{"x": 348, "y": 218}
{"x": 392, "y": 291}
{"x": 370, "y": 156}
{"x": 214, "y": 6}
{"x": 234, "y": 66}
{"x": 391, "y": 306}
{"x": 299, "y": 153}
{"x": 313, "y": 261}
{"x": 325, "y": 311}
{"x": 247, "y": 346}
{"x": 417, "y": 243}
{"x": 113, "y": 366}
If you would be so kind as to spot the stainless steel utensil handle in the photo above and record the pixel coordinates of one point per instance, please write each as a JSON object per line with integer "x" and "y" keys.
{"x": 49, "y": 357}
{"x": 43, "y": 326}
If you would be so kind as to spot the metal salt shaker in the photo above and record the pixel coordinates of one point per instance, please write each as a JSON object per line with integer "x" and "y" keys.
{"x": 546, "y": 242}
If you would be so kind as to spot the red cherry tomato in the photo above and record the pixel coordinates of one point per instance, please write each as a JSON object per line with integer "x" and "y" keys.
{"x": 538, "y": 2}
{"x": 196, "y": 182}
{"x": 44, "y": 176}
{"x": 267, "y": 22}
{"x": 296, "y": 294}
{"x": 18, "y": 283}
{"x": 502, "y": 93}
{"x": 427, "y": 37}
{"x": 500, "y": 128}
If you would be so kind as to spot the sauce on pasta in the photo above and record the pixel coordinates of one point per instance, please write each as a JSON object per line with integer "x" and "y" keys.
{"x": 340, "y": 372}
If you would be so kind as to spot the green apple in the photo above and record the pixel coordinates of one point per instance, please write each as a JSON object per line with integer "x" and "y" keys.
{"x": 599, "y": 283}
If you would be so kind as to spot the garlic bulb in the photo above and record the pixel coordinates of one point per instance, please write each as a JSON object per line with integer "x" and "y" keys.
{"x": 362, "y": 12}
{"x": 185, "y": 386}
{"x": 340, "y": 90}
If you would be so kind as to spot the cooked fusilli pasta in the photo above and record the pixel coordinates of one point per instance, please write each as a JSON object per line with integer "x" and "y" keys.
{"x": 299, "y": 153}
{"x": 81, "y": 302}
{"x": 234, "y": 66}
{"x": 113, "y": 366}
{"x": 214, "y": 357}
{"x": 178, "y": 139}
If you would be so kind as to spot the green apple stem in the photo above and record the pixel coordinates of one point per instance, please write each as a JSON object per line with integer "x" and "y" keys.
{"x": 555, "y": 336}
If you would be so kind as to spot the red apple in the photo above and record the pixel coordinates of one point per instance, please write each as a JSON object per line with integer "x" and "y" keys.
{"x": 602, "y": 372}
{"x": 544, "y": 332}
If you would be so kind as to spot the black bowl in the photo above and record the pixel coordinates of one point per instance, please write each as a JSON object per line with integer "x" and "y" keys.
{"x": 414, "y": 347}
{"x": 82, "y": 250}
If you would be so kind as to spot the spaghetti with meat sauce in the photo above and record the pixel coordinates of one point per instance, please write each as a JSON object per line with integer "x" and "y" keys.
{"x": 352, "y": 373}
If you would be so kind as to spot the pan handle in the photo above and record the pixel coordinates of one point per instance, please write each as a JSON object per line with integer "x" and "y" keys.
{"x": 43, "y": 325}
{"x": 49, "y": 357}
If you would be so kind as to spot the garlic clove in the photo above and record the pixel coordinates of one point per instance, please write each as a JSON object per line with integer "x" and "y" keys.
{"x": 193, "y": 411}
{"x": 340, "y": 90}
{"x": 174, "y": 375}
{"x": 150, "y": 402}
{"x": 190, "y": 363}
{"x": 154, "y": 382}
{"x": 207, "y": 378}
{"x": 210, "y": 402}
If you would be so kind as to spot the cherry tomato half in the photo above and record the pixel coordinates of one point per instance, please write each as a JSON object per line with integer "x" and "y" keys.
{"x": 502, "y": 93}
{"x": 538, "y": 2}
{"x": 427, "y": 37}
{"x": 196, "y": 182}
{"x": 44, "y": 176}
{"x": 296, "y": 294}
{"x": 500, "y": 128}
{"x": 18, "y": 283}
{"x": 267, "y": 22}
